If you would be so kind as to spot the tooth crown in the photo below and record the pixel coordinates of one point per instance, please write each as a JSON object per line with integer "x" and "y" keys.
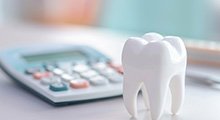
{"x": 153, "y": 64}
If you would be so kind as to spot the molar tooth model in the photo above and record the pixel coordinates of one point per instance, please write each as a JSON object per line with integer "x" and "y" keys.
{"x": 153, "y": 64}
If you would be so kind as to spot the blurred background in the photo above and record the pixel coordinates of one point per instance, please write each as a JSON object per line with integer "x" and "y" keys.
{"x": 187, "y": 18}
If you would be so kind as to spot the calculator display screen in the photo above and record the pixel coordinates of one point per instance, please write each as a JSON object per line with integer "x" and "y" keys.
{"x": 68, "y": 55}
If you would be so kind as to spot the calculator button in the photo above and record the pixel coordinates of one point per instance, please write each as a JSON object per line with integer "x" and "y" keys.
{"x": 59, "y": 86}
{"x": 75, "y": 75}
{"x": 115, "y": 78}
{"x": 40, "y": 75}
{"x": 46, "y": 81}
{"x": 58, "y": 71}
{"x": 80, "y": 68}
{"x": 65, "y": 66}
{"x": 50, "y": 80}
{"x": 55, "y": 79}
{"x": 67, "y": 77}
{"x": 32, "y": 70}
{"x": 49, "y": 67}
{"x": 79, "y": 83}
{"x": 98, "y": 80}
{"x": 99, "y": 66}
{"x": 89, "y": 74}
{"x": 108, "y": 72}
{"x": 37, "y": 75}
{"x": 120, "y": 70}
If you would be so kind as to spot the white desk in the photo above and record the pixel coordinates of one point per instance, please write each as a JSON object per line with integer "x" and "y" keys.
{"x": 202, "y": 101}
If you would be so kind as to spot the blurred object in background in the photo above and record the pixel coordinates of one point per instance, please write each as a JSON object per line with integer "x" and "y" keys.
{"x": 215, "y": 23}
{"x": 55, "y": 11}
{"x": 185, "y": 18}
{"x": 1, "y": 12}
{"x": 62, "y": 11}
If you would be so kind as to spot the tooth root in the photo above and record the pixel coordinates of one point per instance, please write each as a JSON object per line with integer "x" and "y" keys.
{"x": 130, "y": 94}
{"x": 145, "y": 96}
{"x": 177, "y": 87}
{"x": 157, "y": 97}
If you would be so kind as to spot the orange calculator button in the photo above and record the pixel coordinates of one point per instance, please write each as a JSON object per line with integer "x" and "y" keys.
{"x": 78, "y": 84}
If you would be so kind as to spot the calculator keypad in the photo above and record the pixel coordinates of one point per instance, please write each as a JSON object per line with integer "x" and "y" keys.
{"x": 76, "y": 76}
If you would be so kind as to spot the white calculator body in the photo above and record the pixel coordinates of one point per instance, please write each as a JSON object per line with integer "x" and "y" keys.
{"x": 63, "y": 74}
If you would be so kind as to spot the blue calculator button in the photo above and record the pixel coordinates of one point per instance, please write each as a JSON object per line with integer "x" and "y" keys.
{"x": 57, "y": 87}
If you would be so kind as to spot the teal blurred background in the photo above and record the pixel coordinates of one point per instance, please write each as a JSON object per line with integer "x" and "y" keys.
{"x": 187, "y": 18}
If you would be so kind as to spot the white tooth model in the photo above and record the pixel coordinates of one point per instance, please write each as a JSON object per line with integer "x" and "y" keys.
{"x": 153, "y": 64}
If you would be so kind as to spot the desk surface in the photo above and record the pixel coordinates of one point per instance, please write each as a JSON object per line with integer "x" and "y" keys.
{"x": 202, "y": 99}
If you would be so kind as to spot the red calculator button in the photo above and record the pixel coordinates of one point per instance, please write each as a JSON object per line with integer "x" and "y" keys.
{"x": 37, "y": 75}
{"x": 40, "y": 75}
{"x": 78, "y": 84}
{"x": 47, "y": 74}
{"x": 120, "y": 69}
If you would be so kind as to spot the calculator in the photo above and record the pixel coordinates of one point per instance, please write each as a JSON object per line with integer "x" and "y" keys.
{"x": 63, "y": 74}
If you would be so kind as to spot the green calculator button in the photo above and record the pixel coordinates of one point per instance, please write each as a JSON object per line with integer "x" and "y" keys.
{"x": 57, "y": 87}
